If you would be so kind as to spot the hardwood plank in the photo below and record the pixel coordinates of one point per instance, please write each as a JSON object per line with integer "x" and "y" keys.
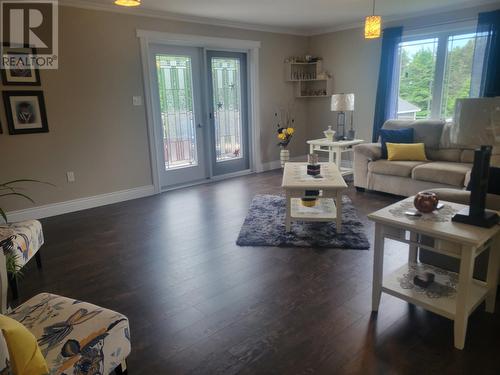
{"x": 199, "y": 304}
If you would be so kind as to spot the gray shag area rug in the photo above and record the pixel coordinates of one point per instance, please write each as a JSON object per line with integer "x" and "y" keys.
{"x": 265, "y": 226}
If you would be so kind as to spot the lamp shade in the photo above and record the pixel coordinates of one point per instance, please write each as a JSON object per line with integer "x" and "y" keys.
{"x": 373, "y": 27}
{"x": 476, "y": 122}
{"x": 342, "y": 102}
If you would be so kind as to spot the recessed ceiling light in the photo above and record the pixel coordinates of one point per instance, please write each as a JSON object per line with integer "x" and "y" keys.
{"x": 128, "y": 3}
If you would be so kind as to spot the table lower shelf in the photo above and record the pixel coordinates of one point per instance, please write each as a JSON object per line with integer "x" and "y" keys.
{"x": 440, "y": 297}
{"x": 324, "y": 210}
{"x": 345, "y": 171}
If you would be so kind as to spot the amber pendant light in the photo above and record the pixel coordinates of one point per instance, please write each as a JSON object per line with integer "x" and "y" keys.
{"x": 373, "y": 25}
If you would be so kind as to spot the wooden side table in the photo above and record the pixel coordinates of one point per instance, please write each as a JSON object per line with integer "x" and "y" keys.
{"x": 329, "y": 206}
{"x": 453, "y": 295}
{"x": 334, "y": 150}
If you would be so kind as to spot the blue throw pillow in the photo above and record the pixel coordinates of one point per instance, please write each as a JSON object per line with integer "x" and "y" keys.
{"x": 395, "y": 136}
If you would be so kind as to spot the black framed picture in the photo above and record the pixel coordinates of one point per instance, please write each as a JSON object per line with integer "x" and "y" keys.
{"x": 25, "y": 111}
{"x": 20, "y": 67}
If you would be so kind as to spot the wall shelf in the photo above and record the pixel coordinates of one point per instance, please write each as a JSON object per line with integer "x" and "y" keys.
{"x": 313, "y": 96}
{"x": 309, "y": 79}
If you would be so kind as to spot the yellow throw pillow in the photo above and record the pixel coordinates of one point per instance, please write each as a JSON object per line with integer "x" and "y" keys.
{"x": 24, "y": 353}
{"x": 406, "y": 151}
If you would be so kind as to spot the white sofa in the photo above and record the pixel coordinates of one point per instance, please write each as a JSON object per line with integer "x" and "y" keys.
{"x": 448, "y": 166}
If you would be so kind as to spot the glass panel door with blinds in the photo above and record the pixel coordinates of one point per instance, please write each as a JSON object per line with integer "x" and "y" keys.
{"x": 193, "y": 146}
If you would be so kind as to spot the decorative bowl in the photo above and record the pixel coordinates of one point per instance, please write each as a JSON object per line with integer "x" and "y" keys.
{"x": 426, "y": 202}
{"x": 309, "y": 201}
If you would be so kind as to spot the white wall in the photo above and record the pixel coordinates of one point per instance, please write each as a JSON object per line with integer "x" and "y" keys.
{"x": 95, "y": 130}
{"x": 355, "y": 63}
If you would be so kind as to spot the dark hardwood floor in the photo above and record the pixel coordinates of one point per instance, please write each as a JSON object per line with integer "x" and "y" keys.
{"x": 199, "y": 304}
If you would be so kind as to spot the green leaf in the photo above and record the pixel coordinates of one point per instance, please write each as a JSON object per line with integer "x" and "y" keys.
{"x": 18, "y": 194}
{"x": 12, "y": 265}
{"x": 7, "y": 188}
{"x": 26, "y": 180}
{"x": 3, "y": 215}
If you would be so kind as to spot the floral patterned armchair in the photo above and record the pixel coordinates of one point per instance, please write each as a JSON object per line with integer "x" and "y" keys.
{"x": 23, "y": 240}
{"x": 76, "y": 338}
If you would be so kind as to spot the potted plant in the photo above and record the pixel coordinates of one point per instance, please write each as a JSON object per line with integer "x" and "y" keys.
{"x": 285, "y": 129}
{"x": 8, "y": 189}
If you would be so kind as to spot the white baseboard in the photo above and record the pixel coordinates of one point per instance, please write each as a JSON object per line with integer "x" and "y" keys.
{"x": 207, "y": 180}
{"x": 276, "y": 164}
{"x": 79, "y": 204}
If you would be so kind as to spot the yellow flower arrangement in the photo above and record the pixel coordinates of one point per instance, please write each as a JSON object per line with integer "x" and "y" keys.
{"x": 285, "y": 132}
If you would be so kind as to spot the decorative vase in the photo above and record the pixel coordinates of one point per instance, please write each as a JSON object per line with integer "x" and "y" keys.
{"x": 284, "y": 156}
{"x": 426, "y": 202}
{"x": 350, "y": 135}
{"x": 329, "y": 133}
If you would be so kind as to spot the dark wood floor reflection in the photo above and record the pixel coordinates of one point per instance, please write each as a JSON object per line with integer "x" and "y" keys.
{"x": 199, "y": 304}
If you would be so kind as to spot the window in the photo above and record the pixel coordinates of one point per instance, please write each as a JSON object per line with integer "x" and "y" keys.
{"x": 435, "y": 70}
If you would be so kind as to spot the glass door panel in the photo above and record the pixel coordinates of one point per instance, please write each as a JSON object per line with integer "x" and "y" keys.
{"x": 226, "y": 73}
{"x": 229, "y": 111}
{"x": 177, "y": 75}
{"x": 177, "y": 111}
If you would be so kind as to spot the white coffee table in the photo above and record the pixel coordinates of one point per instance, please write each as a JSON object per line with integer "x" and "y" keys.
{"x": 454, "y": 296}
{"x": 335, "y": 150}
{"x": 329, "y": 207}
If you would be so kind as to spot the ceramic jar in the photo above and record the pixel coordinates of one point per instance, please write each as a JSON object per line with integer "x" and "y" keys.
{"x": 426, "y": 202}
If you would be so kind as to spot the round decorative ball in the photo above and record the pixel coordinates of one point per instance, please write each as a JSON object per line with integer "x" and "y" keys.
{"x": 426, "y": 202}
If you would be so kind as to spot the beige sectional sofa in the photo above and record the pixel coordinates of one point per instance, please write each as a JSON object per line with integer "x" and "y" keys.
{"x": 448, "y": 166}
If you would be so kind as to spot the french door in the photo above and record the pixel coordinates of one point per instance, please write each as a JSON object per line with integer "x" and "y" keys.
{"x": 200, "y": 113}
{"x": 177, "y": 106}
{"x": 228, "y": 111}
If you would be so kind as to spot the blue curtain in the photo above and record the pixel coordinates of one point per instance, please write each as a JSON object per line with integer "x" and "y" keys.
{"x": 386, "y": 101}
{"x": 489, "y": 51}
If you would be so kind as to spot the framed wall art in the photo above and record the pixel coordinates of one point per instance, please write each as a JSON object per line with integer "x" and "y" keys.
{"x": 25, "y": 112}
{"x": 21, "y": 69}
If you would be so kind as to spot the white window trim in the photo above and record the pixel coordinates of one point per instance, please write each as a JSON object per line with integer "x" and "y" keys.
{"x": 442, "y": 33}
{"x": 251, "y": 47}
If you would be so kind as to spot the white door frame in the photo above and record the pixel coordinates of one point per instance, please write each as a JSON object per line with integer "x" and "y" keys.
{"x": 251, "y": 47}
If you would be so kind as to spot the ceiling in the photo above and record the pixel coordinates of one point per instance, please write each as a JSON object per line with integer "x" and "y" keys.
{"x": 301, "y": 16}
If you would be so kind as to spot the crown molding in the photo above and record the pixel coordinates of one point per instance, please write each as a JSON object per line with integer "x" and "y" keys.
{"x": 109, "y": 7}
{"x": 142, "y": 12}
{"x": 482, "y": 5}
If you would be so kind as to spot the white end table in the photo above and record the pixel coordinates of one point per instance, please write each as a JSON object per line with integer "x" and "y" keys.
{"x": 329, "y": 206}
{"x": 454, "y": 296}
{"x": 335, "y": 150}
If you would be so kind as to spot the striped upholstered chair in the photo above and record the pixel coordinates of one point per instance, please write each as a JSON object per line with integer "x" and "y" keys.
{"x": 75, "y": 338}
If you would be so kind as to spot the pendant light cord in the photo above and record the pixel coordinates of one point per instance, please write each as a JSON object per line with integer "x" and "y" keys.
{"x": 373, "y": 13}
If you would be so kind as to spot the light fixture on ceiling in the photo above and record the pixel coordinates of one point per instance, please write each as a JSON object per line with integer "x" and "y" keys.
{"x": 373, "y": 25}
{"x": 128, "y": 3}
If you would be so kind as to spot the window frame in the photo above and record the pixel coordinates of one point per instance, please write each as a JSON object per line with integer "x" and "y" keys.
{"x": 442, "y": 34}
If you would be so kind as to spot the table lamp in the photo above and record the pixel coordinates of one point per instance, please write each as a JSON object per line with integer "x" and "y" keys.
{"x": 477, "y": 122}
{"x": 342, "y": 103}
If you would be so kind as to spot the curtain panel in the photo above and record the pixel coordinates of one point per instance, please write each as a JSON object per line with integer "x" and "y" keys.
{"x": 488, "y": 53}
{"x": 386, "y": 101}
